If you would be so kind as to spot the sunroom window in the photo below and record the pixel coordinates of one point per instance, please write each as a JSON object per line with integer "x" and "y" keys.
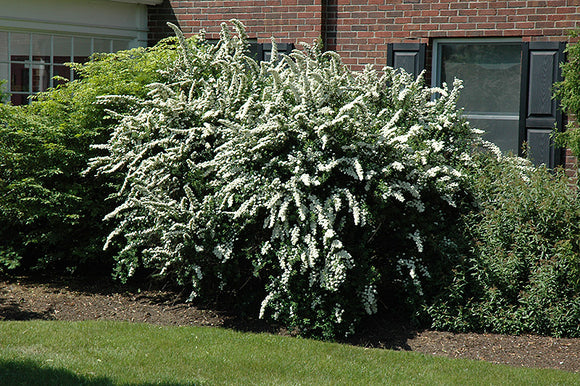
{"x": 491, "y": 74}
{"x": 30, "y": 61}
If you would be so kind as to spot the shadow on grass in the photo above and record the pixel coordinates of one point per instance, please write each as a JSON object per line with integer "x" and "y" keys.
{"x": 27, "y": 372}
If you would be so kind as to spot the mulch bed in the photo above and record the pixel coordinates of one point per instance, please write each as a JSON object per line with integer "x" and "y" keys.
{"x": 27, "y": 298}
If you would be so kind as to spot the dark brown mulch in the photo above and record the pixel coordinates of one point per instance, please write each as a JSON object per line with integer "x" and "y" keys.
{"x": 58, "y": 299}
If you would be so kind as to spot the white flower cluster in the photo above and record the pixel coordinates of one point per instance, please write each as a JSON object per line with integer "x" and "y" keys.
{"x": 311, "y": 152}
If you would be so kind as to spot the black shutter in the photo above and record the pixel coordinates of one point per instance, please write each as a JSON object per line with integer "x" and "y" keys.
{"x": 539, "y": 112}
{"x": 408, "y": 56}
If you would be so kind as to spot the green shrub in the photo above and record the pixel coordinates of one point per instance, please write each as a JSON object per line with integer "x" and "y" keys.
{"x": 50, "y": 215}
{"x": 302, "y": 188}
{"x": 568, "y": 92}
{"x": 523, "y": 275}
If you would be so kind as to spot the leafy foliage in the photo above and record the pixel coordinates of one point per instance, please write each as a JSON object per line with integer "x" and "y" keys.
{"x": 50, "y": 215}
{"x": 523, "y": 275}
{"x": 568, "y": 92}
{"x": 296, "y": 178}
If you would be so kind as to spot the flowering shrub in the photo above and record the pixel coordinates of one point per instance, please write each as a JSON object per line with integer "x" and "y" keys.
{"x": 319, "y": 188}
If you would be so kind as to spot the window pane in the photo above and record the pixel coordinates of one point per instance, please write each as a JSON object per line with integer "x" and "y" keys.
{"x": 19, "y": 77}
{"x": 502, "y": 131}
{"x": 62, "y": 49}
{"x": 4, "y": 47}
{"x": 40, "y": 76}
{"x": 267, "y": 55}
{"x": 20, "y": 46}
{"x": 82, "y": 49}
{"x": 19, "y": 99}
{"x": 491, "y": 74}
{"x": 41, "y": 46}
{"x": 101, "y": 45}
{"x": 4, "y": 86}
{"x": 63, "y": 71}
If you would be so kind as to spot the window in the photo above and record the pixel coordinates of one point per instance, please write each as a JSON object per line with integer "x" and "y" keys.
{"x": 262, "y": 52}
{"x": 29, "y": 61}
{"x": 491, "y": 71}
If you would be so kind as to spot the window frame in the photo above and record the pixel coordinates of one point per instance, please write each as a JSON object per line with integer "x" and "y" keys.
{"x": 436, "y": 66}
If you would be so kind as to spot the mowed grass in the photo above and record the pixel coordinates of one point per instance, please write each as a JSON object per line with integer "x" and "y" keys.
{"x": 111, "y": 353}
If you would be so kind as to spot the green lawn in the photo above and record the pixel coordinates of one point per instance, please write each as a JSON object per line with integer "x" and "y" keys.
{"x": 110, "y": 353}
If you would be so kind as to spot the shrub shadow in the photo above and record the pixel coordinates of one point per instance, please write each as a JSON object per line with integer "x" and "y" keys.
{"x": 28, "y": 372}
{"x": 11, "y": 310}
{"x": 384, "y": 333}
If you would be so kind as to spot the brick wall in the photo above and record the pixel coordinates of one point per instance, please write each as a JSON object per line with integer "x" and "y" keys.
{"x": 361, "y": 32}
{"x": 289, "y": 21}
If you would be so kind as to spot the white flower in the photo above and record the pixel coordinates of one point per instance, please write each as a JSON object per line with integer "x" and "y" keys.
{"x": 397, "y": 166}
{"x": 359, "y": 170}
{"x": 416, "y": 237}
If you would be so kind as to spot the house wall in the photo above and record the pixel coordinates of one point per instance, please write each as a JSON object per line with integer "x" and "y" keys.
{"x": 361, "y": 31}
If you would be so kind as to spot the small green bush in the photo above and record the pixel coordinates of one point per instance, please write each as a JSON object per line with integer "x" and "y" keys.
{"x": 523, "y": 274}
{"x": 302, "y": 188}
{"x": 568, "y": 92}
{"x": 50, "y": 215}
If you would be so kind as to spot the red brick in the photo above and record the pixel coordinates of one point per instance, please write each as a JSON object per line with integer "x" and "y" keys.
{"x": 516, "y": 18}
{"x": 505, "y": 26}
{"x": 478, "y": 19}
{"x": 448, "y": 26}
{"x": 411, "y": 27}
{"x": 511, "y": 32}
{"x": 496, "y": 19}
{"x": 567, "y": 24}
{"x": 532, "y": 32}
{"x": 403, "y": 20}
{"x": 441, "y": 6}
{"x": 486, "y": 26}
{"x": 432, "y": 13}
{"x": 448, "y": 13}
{"x": 488, "y": 12}
{"x": 566, "y": 10}
{"x": 467, "y": 12}
{"x": 526, "y": 25}
{"x": 459, "y": 19}
{"x": 537, "y": 3}
{"x": 499, "y": 4}
{"x": 537, "y": 17}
